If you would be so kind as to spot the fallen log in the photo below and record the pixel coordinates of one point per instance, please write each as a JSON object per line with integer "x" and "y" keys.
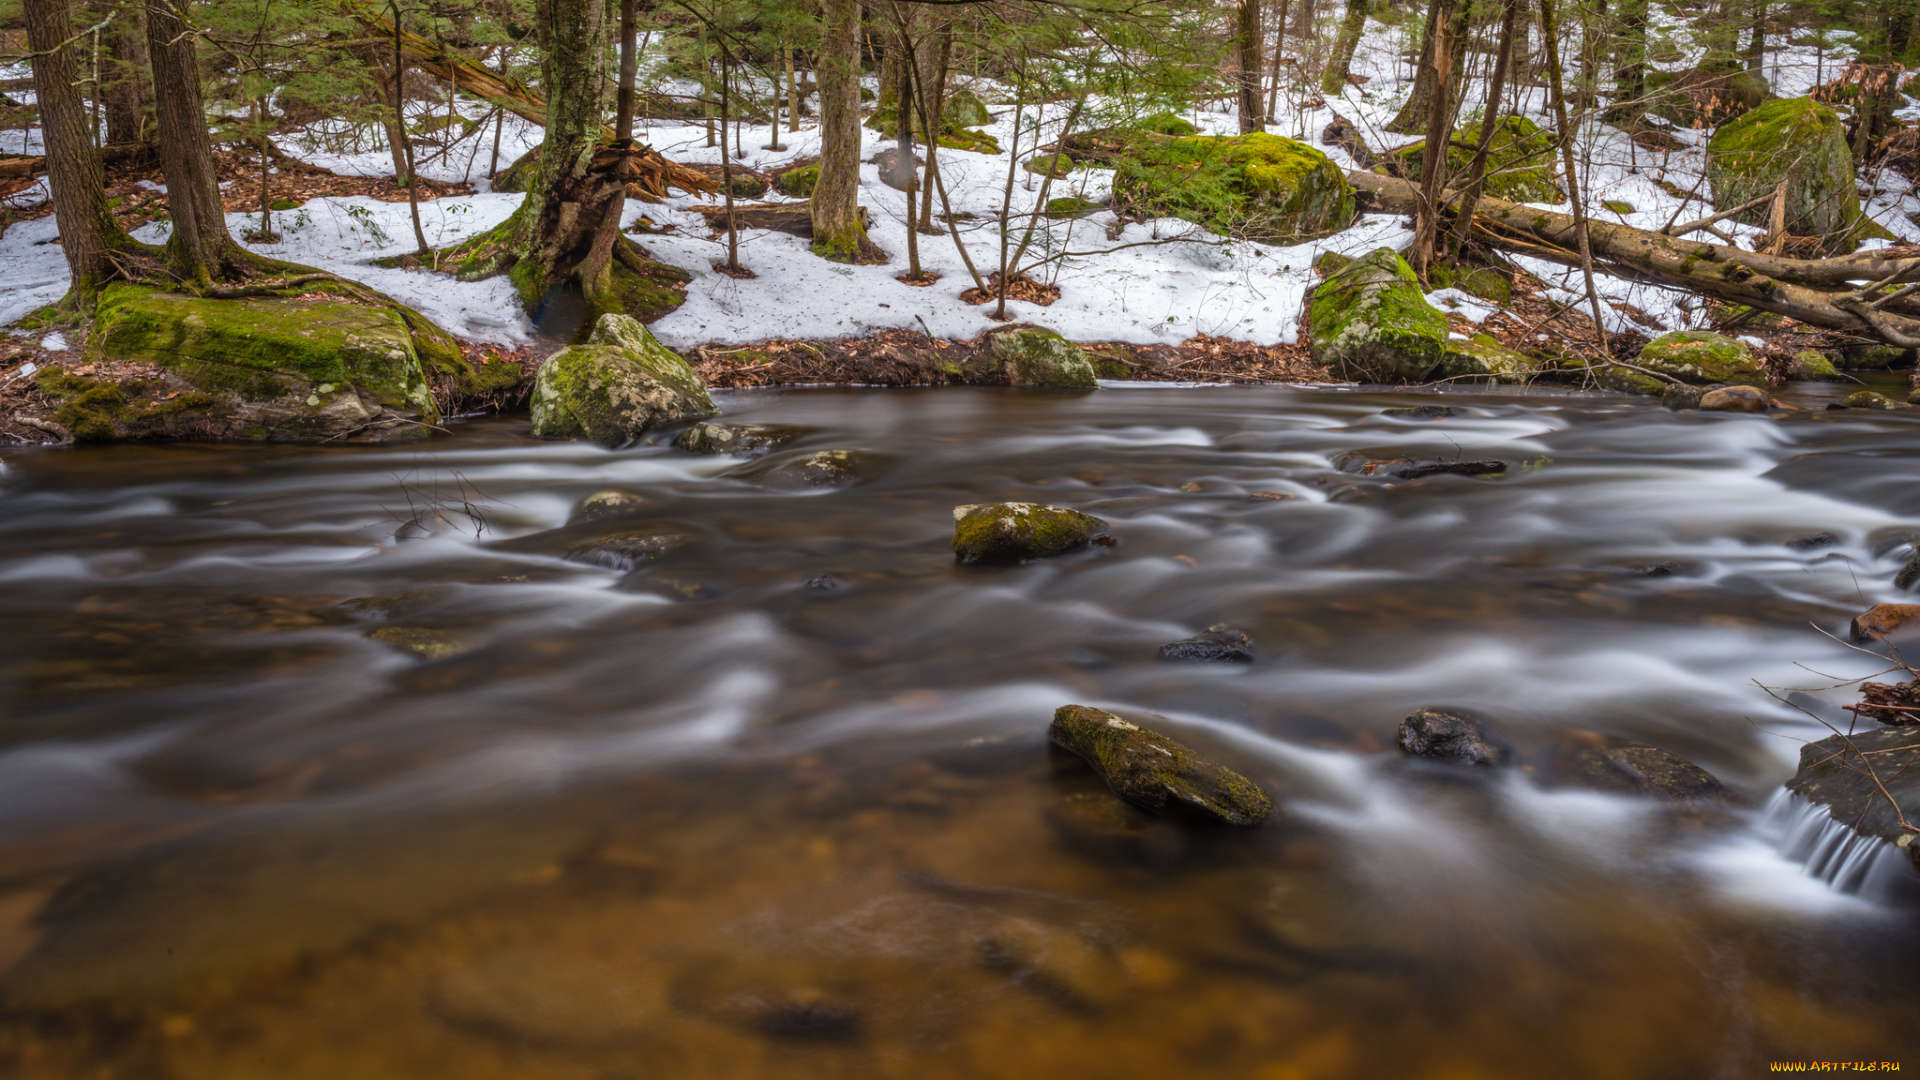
{"x": 794, "y": 218}
{"x": 1870, "y": 293}
{"x": 12, "y": 167}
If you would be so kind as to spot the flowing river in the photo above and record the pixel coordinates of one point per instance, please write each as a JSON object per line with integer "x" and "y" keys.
{"x": 328, "y": 762}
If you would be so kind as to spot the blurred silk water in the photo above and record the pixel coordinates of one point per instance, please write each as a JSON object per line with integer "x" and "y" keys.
{"x": 344, "y": 762}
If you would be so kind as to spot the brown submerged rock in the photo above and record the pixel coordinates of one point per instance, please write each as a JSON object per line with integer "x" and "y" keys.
{"x": 1586, "y": 759}
{"x": 1456, "y": 738}
{"x": 1735, "y": 399}
{"x": 1153, "y": 771}
{"x": 1882, "y": 621}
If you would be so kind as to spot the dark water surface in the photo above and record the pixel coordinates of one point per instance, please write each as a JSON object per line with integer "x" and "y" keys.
{"x": 709, "y": 818}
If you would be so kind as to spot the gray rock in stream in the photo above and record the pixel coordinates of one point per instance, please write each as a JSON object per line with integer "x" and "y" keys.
{"x": 1453, "y": 737}
{"x": 1834, "y": 774}
{"x": 744, "y": 440}
{"x": 629, "y": 549}
{"x": 1586, "y": 759}
{"x": 800, "y": 471}
{"x": 1155, "y": 772}
{"x": 1216, "y": 645}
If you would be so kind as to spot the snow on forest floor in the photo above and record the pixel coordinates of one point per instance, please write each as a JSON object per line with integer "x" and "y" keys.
{"x": 1157, "y": 282}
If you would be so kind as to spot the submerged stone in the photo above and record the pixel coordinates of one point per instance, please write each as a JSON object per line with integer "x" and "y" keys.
{"x": 1596, "y": 762}
{"x": 629, "y": 548}
{"x": 605, "y": 504}
{"x": 1422, "y": 412}
{"x": 1153, "y": 771}
{"x": 618, "y": 385}
{"x": 1216, "y": 644}
{"x": 1371, "y": 323}
{"x": 1867, "y": 399}
{"x": 1882, "y": 621}
{"x": 1453, "y": 737}
{"x": 799, "y": 471}
{"x": 708, "y": 437}
{"x": 1014, "y": 531}
{"x": 1869, "y": 781}
{"x": 1409, "y": 469}
{"x": 1744, "y": 399}
{"x": 429, "y": 643}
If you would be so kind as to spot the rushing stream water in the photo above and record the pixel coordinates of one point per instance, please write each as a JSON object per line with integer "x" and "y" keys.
{"x": 780, "y": 804}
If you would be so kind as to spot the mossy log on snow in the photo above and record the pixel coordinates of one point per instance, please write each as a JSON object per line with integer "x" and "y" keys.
{"x": 1152, "y": 771}
{"x": 1819, "y": 292}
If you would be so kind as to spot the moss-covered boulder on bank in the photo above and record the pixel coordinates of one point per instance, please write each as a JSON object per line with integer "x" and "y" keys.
{"x": 1036, "y": 357}
{"x": 1371, "y": 323}
{"x": 1259, "y": 187}
{"x": 1802, "y": 143}
{"x": 1520, "y": 164}
{"x": 1154, "y": 772}
{"x": 1700, "y": 357}
{"x": 287, "y": 369}
{"x": 616, "y": 386}
{"x": 1483, "y": 355}
{"x": 964, "y": 109}
{"x": 798, "y": 183}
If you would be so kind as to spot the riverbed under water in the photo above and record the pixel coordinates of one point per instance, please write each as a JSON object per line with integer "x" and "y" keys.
{"x": 780, "y": 803}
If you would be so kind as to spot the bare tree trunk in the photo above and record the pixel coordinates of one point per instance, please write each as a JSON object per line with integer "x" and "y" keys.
{"x": 838, "y": 233}
{"x": 1477, "y": 172}
{"x": 1433, "y": 158}
{"x": 933, "y": 99}
{"x": 1757, "y": 38}
{"x": 1630, "y": 72}
{"x": 89, "y": 235}
{"x": 1446, "y": 22}
{"x": 127, "y": 87}
{"x": 793, "y": 97}
{"x": 199, "y": 248}
{"x": 1279, "y": 54}
{"x": 629, "y": 70}
{"x": 903, "y": 142}
{"x": 1334, "y": 80}
{"x": 1248, "y": 45}
{"x": 726, "y": 166}
{"x": 1550, "y": 35}
{"x": 406, "y": 144}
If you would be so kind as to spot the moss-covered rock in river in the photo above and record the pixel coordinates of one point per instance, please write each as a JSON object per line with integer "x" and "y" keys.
{"x": 747, "y": 440}
{"x": 798, "y": 183}
{"x": 1152, "y": 771}
{"x": 1012, "y": 532}
{"x": 1584, "y": 759}
{"x": 1835, "y": 773}
{"x": 800, "y": 470}
{"x": 1258, "y": 186}
{"x": 1520, "y": 165}
{"x": 294, "y": 369}
{"x": 1700, "y": 357}
{"x": 1371, "y": 323}
{"x": 606, "y": 504}
{"x": 1036, "y": 357}
{"x": 1483, "y": 355}
{"x": 616, "y": 386}
{"x": 1802, "y": 143}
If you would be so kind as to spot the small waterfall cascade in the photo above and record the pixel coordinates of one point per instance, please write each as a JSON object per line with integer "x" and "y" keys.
{"x": 1849, "y": 862}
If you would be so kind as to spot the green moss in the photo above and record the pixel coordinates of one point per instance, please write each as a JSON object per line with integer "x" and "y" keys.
{"x": 1040, "y": 358}
{"x": 1483, "y": 355}
{"x": 1484, "y": 282}
{"x": 1262, "y": 187}
{"x": 1072, "y": 206}
{"x": 1520, "y": 164}
{"x": 644, "y": 296}
{"x": 1700, "y": 357}
{"x": 1371, "y": 323}
{"x": 971, "y": 140}
{"x": 284, "y": 204}
{"x": 1153, "y": 771}
{"x": 1057, "y": 165}
{"x": 1166, "y": 123}
{"x": 1799, "y": 142}
{"x": 615, "y": 387}
{"x": 1617, "y": 206}
{"x": 98, "y": 410}
{"x": 1014, "y": 532}
{"x": 798, "y": 183}
{"x": 1816, "y": 366}
{"x": 964, "y": 109}
{"x": 266, "y": 348}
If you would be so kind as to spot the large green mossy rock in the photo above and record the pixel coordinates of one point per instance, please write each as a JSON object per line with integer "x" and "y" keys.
{"x": 1258, "y": 187}
{"x": 798, "y": 183}
{"x": 286, "y": 369}
{"x": 964, "y": 109}
{"x": 1013, "y": 532}
{"x": 1371, "y": 323}
{"x": 1701, "y": 357}
{"x": 1802, "y": 143}
{"x": 1520, "y": 164}
{"x": 1482, "y": 356}
{"x": 1869, "y": 781}
{"x": 615, "y": 387}
{"x": 1036, "y": 357}
{"x": 1154, "y": 772}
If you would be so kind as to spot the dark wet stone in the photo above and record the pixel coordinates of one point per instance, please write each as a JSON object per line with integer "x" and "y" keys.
{"x": 826, "y": 582}
{"x": 1680, "y": 396}
{"x": 1423, "y": 412}
{"x": 810, "y": 1021}
{"x": 798, "y": 470}
{"x": 1445, "y": 735}
{"x": 1665, "y": 569}
{"x": 1882, "y": 621}
{"x": 1217, "y": 644}
{"x": 746, "y": 440}
{"x": 1153, "y": 771}
{"x": 628, "y": 549}
{"x": 1013, "y": 532}
{"x": 1811, "y": 543}
{"x": 1585, "y": 759}
{"x": 425, "y": 642}
{"x": 1743, "y": 399}
{"x": 1834, "y": 406}
{"x": 606, "y": 504}
{"x": 1846, "y": 774}
{"x": 1909, "y": 574}
{"x": 1409, "y": 469}
{"x": 380, "y": 608}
